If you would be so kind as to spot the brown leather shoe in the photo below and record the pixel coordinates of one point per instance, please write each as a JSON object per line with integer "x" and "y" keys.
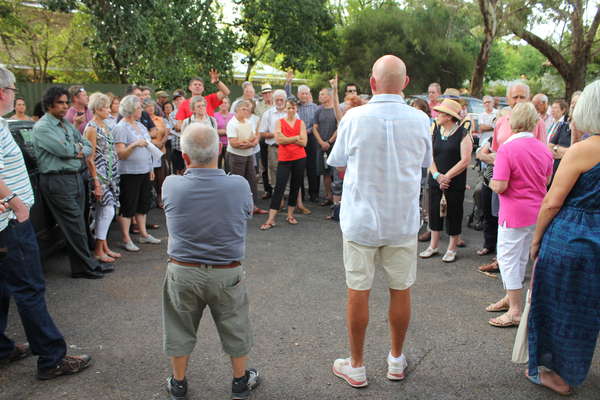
{"x": 69, "y": 365}
{"x": 20, "y": 352}
{"x": 425, "y": 236}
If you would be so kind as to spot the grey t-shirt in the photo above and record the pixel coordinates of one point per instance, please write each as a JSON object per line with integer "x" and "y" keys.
{"x": 326, "y": 121}
{"x": 140, "y": 159}
{"x": 207, "y": 212}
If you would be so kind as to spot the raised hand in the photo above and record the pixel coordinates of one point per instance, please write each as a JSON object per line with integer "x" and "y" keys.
{"x": 289, "y": 76}
{"x": 214, "y": 75}
{"x": 334, "y": 82}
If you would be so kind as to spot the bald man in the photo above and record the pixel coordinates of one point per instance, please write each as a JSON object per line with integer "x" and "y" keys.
{"x": 379, "y": 222}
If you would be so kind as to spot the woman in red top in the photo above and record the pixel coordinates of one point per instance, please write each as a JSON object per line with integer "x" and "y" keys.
{"x": 290, "y": 134}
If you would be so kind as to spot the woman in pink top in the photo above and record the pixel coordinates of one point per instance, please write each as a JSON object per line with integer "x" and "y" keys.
{"x": 522, "y": 170}
{"x": 223, "y": 116}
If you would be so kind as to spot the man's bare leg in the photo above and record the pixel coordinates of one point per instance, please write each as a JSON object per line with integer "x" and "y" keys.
{"x": 179, "y": 365}
{"x": 399, "y": 316}
{"x": 238, "y": 365}
{"x": 358, "y": 319}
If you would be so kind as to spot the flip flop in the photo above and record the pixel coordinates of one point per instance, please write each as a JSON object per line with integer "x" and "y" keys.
{"x": 291, "y": 220}
{"x": 507, "y": 323}
{"x": 537, "y": 380}
{"x": 484, "y": 251}
{"x": 266, "y": 226}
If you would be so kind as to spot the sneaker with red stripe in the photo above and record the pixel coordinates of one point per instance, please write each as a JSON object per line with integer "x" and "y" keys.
{"x": 396, "y": 368}
{"x": 356, "y": 377}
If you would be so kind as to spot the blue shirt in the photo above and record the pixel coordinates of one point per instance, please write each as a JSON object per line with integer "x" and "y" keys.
{"x": 207, "y": 212}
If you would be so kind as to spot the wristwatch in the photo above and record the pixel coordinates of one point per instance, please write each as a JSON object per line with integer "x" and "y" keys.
{"x": 8, "y": 198}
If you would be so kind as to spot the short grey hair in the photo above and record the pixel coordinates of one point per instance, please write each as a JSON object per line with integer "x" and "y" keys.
{"x": 515, "y": 84}
{"x": 7, "y": 78}
{"x": 200, "y": 143}
{"x": 303, "y": 88}
{"x": 97, "y": 101}
{"x": 329, "y": 91}
{"x": 280, "y": 93}
{"x": 242, "y": 103}
{"x": 148, "y": 102}
{"x": 585, "y": 115}
{"x": 524, "y": 117}
{"x": 487, "y": 97}
{"x": 195, "y": 100}
{"x": 247, "y": 83}
{"x": 543, "y": 98}
{"x": 128, "y": 105}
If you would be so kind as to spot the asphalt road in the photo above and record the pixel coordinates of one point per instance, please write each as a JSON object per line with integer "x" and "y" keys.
{"x": 297, "y": 293}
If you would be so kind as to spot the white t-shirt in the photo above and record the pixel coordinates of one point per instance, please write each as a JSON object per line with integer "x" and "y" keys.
{"x": 489, "y": 119}
{"x": 383, "y": 145}
{"x": 242, "y": 131}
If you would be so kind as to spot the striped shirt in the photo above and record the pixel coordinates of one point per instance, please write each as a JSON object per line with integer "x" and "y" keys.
{"x": 13, "y": 172}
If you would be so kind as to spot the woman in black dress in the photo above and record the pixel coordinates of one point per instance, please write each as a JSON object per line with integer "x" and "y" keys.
{"x": 452, "y": 147}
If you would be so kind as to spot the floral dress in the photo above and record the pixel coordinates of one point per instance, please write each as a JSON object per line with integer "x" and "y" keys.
{"x": 107, "y": 163}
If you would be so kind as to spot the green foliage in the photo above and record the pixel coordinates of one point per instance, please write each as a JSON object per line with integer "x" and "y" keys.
{"x": 431, "y": 37}
{"x": 301, "y": 31}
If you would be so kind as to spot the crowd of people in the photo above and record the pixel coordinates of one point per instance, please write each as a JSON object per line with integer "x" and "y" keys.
{"x": 201, "y": 160}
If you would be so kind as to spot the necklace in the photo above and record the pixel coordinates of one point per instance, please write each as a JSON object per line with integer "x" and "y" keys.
{"x": 445, "y": 135}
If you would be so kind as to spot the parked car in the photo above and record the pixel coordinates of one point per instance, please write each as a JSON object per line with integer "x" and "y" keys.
{"x": 50, "y": 238}
{"x": 474, "y": 105}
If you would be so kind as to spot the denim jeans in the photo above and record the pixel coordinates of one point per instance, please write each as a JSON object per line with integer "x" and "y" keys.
{"x": 21, "y": 278}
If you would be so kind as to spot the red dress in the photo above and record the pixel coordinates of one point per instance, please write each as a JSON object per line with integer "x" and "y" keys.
{"x": 290, "y": 152}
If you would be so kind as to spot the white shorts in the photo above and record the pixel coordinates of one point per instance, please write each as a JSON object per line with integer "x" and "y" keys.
{"x": 399, "y": 264}
{"x": 513, "y": 254}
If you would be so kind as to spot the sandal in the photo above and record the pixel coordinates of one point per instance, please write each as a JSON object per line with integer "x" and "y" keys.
{"x": 484, "y": 251}
{"x": 461, "y": 243}
{"x": 326, "y": 203}
{"x": 113, "y": 254}
{"x": 291, "y": 220}
{"x": 504, "y": 321}
{"x": 105, "y": 258}
{"x": 266, "y": 226}
{"x": 304, "y": 210}
{"x": 449, "y": 257}
{"x": 497, "y": 307}
{"x": 537, "y": 380}
{"x": 152, "y": 226}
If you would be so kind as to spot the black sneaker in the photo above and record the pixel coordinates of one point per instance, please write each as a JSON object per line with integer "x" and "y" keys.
{"x": 67, "y": 366}
{"x": 20, "y": 352}
{"x": 241, "y": 387}
{"x": 177, "y": 389}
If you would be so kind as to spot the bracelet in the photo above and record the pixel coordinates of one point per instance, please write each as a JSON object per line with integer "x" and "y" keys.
{"x": 8, "y": 198}
{"x": 435, "y": 175}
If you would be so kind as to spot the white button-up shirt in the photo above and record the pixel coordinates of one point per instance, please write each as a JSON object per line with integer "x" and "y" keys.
{"x": 383, "y": 144}
{"x": 268, "y": 121}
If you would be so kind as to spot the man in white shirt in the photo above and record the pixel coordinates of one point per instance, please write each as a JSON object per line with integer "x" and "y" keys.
{"x": 267, "y": 130}
{"x": 487, "y": 119}
{"x": 540, "y": 102}
{"x": 382, "y": 147}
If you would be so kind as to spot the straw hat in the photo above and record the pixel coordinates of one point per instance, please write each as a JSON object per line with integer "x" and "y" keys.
{"x": 450, "y": 107}
{"x": 451, "y": 93}
{"x": 266, "y": 88}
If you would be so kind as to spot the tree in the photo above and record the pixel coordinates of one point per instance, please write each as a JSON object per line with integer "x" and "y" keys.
{"x": 302, "y": 32}
{"x": 158, "y": 42}
{"x": 432, "y": 38}
{"x": 491, "y": 11}
{"x": 579, "y": 40}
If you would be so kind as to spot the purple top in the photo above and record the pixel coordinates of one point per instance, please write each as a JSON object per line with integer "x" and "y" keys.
{"x": 222, "y": 121}
{"x": 72, "y": 113}
{"x": 526, "y": 163}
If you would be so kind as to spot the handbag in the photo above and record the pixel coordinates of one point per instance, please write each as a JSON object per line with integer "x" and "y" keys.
{"x": 488, "y": 173}
{"x": 443, "y": 206}
{"x": 520, "y": 353}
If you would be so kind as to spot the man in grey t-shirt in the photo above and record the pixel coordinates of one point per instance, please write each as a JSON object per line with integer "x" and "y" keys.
{"x": 206, "y": 212}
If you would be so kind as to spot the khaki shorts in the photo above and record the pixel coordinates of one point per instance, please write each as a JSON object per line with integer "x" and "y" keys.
{"x": 186, "y": 293}
{"x": 399, "y": 264}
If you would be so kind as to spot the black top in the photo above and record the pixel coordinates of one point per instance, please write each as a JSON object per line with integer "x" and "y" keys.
{"x": 446, "y": 154}
{"x": 561, "y": 137}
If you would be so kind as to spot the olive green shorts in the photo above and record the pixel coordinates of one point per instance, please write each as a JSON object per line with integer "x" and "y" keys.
{"x": 188, "y": 290}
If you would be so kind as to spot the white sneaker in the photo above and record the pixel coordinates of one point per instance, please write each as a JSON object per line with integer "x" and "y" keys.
{"x": 356, "y": 377}
{"x": 428, "y": 252}
{"x": 129, "y": 246}
{"x": 396, "y": 369}
{"x": 449, "y": 257}
{"x": 149, "y": 240}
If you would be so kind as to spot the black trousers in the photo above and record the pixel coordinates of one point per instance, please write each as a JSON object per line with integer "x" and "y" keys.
{"x": 264, "y": 160}
{"x": 284, "y": 170}
{"x": 490, "y": 223}
{"x": 65, "y": 197}
{"x": 454, "y": 214}
{"x": 312, "y": 173}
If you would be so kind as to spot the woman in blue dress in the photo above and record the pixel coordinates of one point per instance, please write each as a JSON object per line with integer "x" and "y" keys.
{"x": 564, "y": 319}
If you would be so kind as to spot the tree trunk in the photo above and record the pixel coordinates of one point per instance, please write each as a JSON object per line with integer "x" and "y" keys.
{"x": 576, "y": 79}
{"x": 251, "y": 65}
{"x": 480, "y": 66}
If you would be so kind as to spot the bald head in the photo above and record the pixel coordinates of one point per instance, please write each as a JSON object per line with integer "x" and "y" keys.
{"x": 389, "y": 75}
